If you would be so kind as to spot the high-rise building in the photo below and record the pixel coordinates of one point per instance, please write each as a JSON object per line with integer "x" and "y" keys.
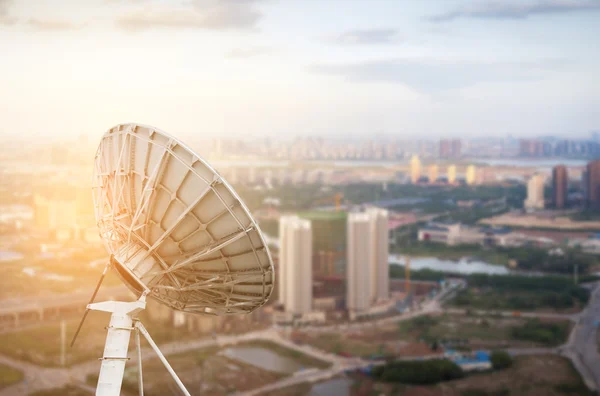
{"x": 449, "y": 148}
{"x": 358, "y": 271}
{"x": 432, "y": 173}
{"x": 451, "y": 174}
{"x": 456, "y": 148}
{"x": 471, "y": 175}
{"x": 559, "y": 186}
{"x": 535, "y": 193}
{"x": 445, "y": 148}
{"x": 295, "y": 264}
{"x": 379, "y": 260}
{"x": 415, "y": 169}
{"x": 592, "y": 181}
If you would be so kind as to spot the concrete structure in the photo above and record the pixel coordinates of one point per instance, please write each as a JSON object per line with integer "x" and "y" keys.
{"x": 358, "y": 274}
{"x": 295, "y": 264}
{"x": 471, "y": 175}
{"x": 451, "y": 174}
{"x": 453, "y": 234}
{"x": 592, "y": 184}
{"x": 432, "y": 173}
{"x": 415, "y": 169}
{"x": 379, "y": 260}
{"x": 535, "y": 193}
{"x": 560, "y": 181}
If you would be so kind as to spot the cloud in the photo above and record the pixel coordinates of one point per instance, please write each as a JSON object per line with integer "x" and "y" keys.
{"x": 428, "y": 76}
{"x": 250, "y": 52}
{"x": 517, "y": 9}
{"x": 368, "y": 36}
{"x": 52, "y": 24}
{"x": 202, "y": 14}
{"x": 5, "y": 17}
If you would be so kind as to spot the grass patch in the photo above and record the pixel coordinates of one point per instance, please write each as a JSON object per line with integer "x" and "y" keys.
{"x": 9, "y": 376}
{"x": 448, "y": 328}
{"x": 550, "y": 334}
{"x": 41, "y": 345}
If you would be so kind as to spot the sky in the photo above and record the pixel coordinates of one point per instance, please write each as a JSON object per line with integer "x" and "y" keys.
{"x": 287, "y": 68}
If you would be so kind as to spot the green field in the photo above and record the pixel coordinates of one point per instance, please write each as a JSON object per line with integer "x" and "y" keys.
{"x": 42, "y": 345}
{"x": 9, "y": 376}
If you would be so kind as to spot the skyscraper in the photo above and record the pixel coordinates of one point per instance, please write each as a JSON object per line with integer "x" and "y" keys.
{"x": 433, "y": 173}
{"x": 415, "y": 169}
{"x": 449, "y": 148}
{"x": 379, "y": 260}
{"x": 295, "y": 264}
{"x": 451, "y": 174}
{"x": 445, "y": 148}
{"x": 456, "y": 148}
{"x": 358, "y": 271}
{"x": 535, "y": 193}
{"x": 559, "y": 186}
{"x": 592, "y": 180}
{"x": 471, "y": 175}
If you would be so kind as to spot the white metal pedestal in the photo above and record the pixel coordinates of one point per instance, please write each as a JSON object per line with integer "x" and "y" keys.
{"x": 123, "y": 316}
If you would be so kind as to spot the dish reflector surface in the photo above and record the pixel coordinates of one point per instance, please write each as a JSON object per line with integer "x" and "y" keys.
{"x": 175, "y": 227}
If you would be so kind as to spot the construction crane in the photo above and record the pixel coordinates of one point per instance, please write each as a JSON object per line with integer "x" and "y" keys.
{"x": 337, "y": 198}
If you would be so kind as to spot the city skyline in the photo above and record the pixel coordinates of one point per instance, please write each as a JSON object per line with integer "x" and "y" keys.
{"x": 215, "y": 69}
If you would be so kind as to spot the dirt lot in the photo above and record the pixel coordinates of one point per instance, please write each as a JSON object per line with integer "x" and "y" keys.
{"x": 530, "y": 375}
{"x": 203, "y": 372}
{"x": 409, "y": 338}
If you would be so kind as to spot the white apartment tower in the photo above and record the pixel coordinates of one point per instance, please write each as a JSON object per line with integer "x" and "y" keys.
{"x": 415, "y": 169}
{"x": 295, "y": 264}
{"x": 535, "y": 193}
{"x": 451, "y": 174}
{"x": 358, "y": 271}
{"x": 471, "y": 175}
{"x": 379, "y": 260}
{"x": 367, "y": 269}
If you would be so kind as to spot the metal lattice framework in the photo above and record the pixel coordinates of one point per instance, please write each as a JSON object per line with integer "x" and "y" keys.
{"x": 175, "y": 227}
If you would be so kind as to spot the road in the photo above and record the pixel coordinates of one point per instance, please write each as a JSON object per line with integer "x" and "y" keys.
{"x": 582, "y": 347}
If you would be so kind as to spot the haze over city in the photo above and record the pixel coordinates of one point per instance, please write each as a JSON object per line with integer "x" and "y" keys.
{"x": 258, "y": 68}
{"x": 279, "y": 197}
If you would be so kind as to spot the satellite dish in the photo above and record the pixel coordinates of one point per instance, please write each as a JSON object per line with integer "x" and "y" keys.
{"x": 175, "y": 227}
{"x": 177, "y": 232}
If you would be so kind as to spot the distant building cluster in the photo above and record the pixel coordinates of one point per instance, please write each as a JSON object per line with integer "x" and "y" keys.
{"x": 455, "y": 233}
{"x": 472, "y": 175}
{"x": 450, "y": 148}
{"x": 590, "y": 188}
{"x": 387, "y": 148}
{"x": 559, "y": 148}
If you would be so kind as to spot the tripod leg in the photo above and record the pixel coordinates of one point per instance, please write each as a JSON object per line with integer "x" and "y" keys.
{"x": 162, "y": 358}
{"x": 139, "y": 353}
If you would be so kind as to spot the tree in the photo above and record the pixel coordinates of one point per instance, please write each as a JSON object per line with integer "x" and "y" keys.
{"x": 501, "y": 360}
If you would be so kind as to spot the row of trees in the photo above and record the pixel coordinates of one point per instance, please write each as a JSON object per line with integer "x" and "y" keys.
{"x": 428, "y": 372}
{"x": 418, "y": 372}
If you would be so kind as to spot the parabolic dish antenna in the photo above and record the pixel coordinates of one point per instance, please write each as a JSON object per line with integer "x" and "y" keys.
{"x": 175, "y": 228}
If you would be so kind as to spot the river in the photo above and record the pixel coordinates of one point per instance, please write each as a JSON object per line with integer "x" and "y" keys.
{"x": 462, "y": 266}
